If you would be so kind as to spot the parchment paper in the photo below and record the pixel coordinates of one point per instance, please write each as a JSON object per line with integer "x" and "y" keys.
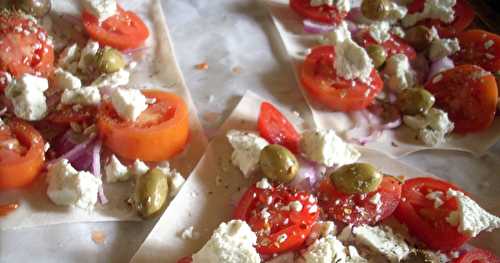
{"x": 209, "y": 195}
{"x": 396, "y": 143}
{"x": 157, "y": 68}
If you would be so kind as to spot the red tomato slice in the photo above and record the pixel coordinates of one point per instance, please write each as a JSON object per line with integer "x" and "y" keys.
{"x": 323, "y": 14}
{"x": 6, "y": 209}
{"x": 426, "y": 222}
{"x": 320, "y": 80}
{"x": 276, "y": 129}
{"x": 464, "y": 15}
{"x": 395, "y": 45}
{"x": 124, "y": 30}
{"x": 185, "y": 260}
{"x": 67, "y": 115}
{"x": 479, "y": 47}
{"x": 468, "y": 94}
{"x": 24, "y": 47}
{"x": 478, "y": 256}
{"x": 285, "y": 228}
{"x": 357, "y": 208}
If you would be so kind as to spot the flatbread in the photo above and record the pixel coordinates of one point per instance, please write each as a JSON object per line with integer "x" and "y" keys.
{"x": 157, "y": 68}
{"x": 212, "y": 190}
{"x": 396, "y": 143}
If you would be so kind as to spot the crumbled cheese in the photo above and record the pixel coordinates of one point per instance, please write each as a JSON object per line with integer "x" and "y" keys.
{"x": 472, "y": 218}
{"x": 437, "y": 197}
{"x": 323, "y": 229}
{"x": 296, "y": 206}
{"x": 433, "y": 9}
{"x": 128, "y": 103}
{"x": 354, "y": 256}
{"x": 189, "y": 233}
{"x": 231, "y": 242}
{"x": 68, "y": 186}
{"x": 27, "y": 97}
{"x": 399, "y": 73}
{"x": 396, "y": 11}
{"x": 116, "y": 171}
{"x": 263, "y": 184}
{"x": 325, "y": 147}
{"x": 379, "y": 31}
{"x": 88, "y": 55}
{"x": 432, "y": 127}
{"x": 139, "y": 168}
{"x": 382, "y": 240}
{"x": 175, "y": 179}
{"x": 398, "y": 31}
{"x": 441, "y": 48}
{"x": 63, "y": 79}
{"x": 375, "y": 199}
{"x": 113, "y": 80}
{"x": 69, "y": 58}
{"x": 102, "y": 9}
{"x": 325, "y": 250}
{"x": 341, "y": 5}
{"x": 246, "y": 150}
{"x": 83, "y": 96}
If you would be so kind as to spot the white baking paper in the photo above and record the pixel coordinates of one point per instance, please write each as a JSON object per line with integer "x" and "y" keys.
{"x": 209, "y": 195}
{"x": 396, "y": 143}
{"x": 157, "y": 68}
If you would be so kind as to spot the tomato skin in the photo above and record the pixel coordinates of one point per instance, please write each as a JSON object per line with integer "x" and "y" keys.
{"x": 468, "y": 94}
{"x": 423, "y": 220}
{"x": 357, "y": 209}
{"x": 18, "y": 170}
{"x": 464, "y": 16}
{"x": 477, "y": 256}
{"x": 319, "y": 79}
{"x": 124, "y": 30}
{"x": 160, "y": 132}
{"x": 323, "y": 14}
{"x": 474, "y": 50}
{"x": 276, "y": 129}
{"x": 395, "y": 45}
{"x": 185, "y": 260}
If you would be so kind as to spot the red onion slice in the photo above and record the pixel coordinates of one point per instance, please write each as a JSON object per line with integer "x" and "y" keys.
{"x": 439, "y": 66}
{"x": 75, "y": 153}
{"x": 96, "y": 169}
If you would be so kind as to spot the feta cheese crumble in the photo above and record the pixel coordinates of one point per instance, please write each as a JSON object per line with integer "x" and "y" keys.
{"x": 81, "y": 96}
{"x": 68, "y": 186}
{"x": 113, "y": 80}
{"x": 325, "y": 147}
{"x": 69, "y": 58}
{"x": 175, "y": 179}
{"x": 399, "y": 72}
{"x": 128, "y": 103}
{"x": 246, "y": 150}
{"x": 65, "y": 80}
{"x": 441, "y": 48}
{"x": 102, "y": 9}
{"x": 432, "y": 127}
{"x": 26, "y": 95}
{"x": 231, "y": 242}
{"x": 88, "y": 54}
{"x": 325, "y": 250}
{"x": 472, "y": 219}
{"x": 263, "y": 184}
{"x": 139, "y": 168}
{"x": 116, "y": 171}
{"x": 437, "y": 197}
{"x": 383, "y": 240}
{"x": 379, "y": 31}
{"x": 433, "y": 9}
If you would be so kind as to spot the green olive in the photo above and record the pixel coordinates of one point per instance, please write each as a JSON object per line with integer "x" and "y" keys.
{"x": 356, "y": 178}
{"x": 420, "y": 256}
{"x": 375, "y": 9}
{"x": 36, "y": 8}
{"x": 419, "y": 37}
{"x": 377, "y": 53}
{"x": 150, "y": 194}
{"x": 416, "y": 100}
{"x": 278, "y": 163}
{"x": 110, "y": 60}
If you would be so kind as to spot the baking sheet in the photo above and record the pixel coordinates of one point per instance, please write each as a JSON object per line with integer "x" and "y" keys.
{"x": 396, "y": 143}
{"x": 157, "y": 68}
{"x": 209, "y": 195}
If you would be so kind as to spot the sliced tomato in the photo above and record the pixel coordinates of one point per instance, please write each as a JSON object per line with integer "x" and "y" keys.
{"x": 68, "y": 114}
{"x": 477, "y": 256}
{"x": 21, "y": 154}
{"x": 276, "y": 129}
{"x": 320, "y": 80}
{"x": 468, "y": 94}
{"x": 185, "y": 260}
{"x": 423, "y": 219}
{"x": 395, "y": 45}
{"x": 479, "y": 47}
{"x": 464, "y": 15}
{"x": 6, "y": 209}
{"x": 279, "y": 226}
{"x": 24, "y": 47}
{"x": 323, "y": 14}
{"x": 358, "y": 208}
{"x": 159, "y": 133}
{"x": 125, "y": 30}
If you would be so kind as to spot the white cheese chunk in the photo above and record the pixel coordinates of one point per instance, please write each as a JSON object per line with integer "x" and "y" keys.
{"x": 231, "y": 242}
{"x": 472, "y": 218}
{"x": 65, "y": 80}
{"x": 88, "y": 55}
{"x": 139, "y": 168}
{"x": 325, "y": 147}
{"x": 116, "y": 171}
{"x": 354, "y": 256}
{"x": 246, "y": 150}
{"x": 263, "y": 183}
{"x": 437, "y": 197}
{"x": 399, "y": 72}
{"x": 128, "y": 103}
{"x": 175, "y": 179}
{"x": 113, "y": 80}
{"x": 325, "y": 250}
{"x": 441, "y": 48}
{"x": 396, "y": 11}
{"x": 69, "y": 58}
{"x": 82, "y": 96}
{"x": 26, "y": 95}
{"x": 433, "y": 9}
{"x": 102, "y": 9}
{"x": 70, "y": 187}
{"x": 379, "y": 31}
{"x": 432, "y": 127}
{"x": 398, "y": 31}
{"x": 383, "y": 240}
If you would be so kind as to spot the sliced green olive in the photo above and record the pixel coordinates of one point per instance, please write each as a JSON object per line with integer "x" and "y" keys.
{"x": 278, "y": 163}
{"x": 378, "y": 54}
{"x": 110, "y": 60}
{"x": 375, "y": 9}
{"x": 150, "y": 194}
{"x": 419, "y": 37}
{"x": 36, "y": 8}
{"x": 415, "y": 101}
{"x": 420, "y": 256}
{"x": 356, "y": 178}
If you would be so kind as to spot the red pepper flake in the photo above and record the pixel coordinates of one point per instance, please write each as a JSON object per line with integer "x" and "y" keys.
{"x": 98, "y": 237}
{"x": 8, "y": 208}
{"x": 202, "y": 66}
